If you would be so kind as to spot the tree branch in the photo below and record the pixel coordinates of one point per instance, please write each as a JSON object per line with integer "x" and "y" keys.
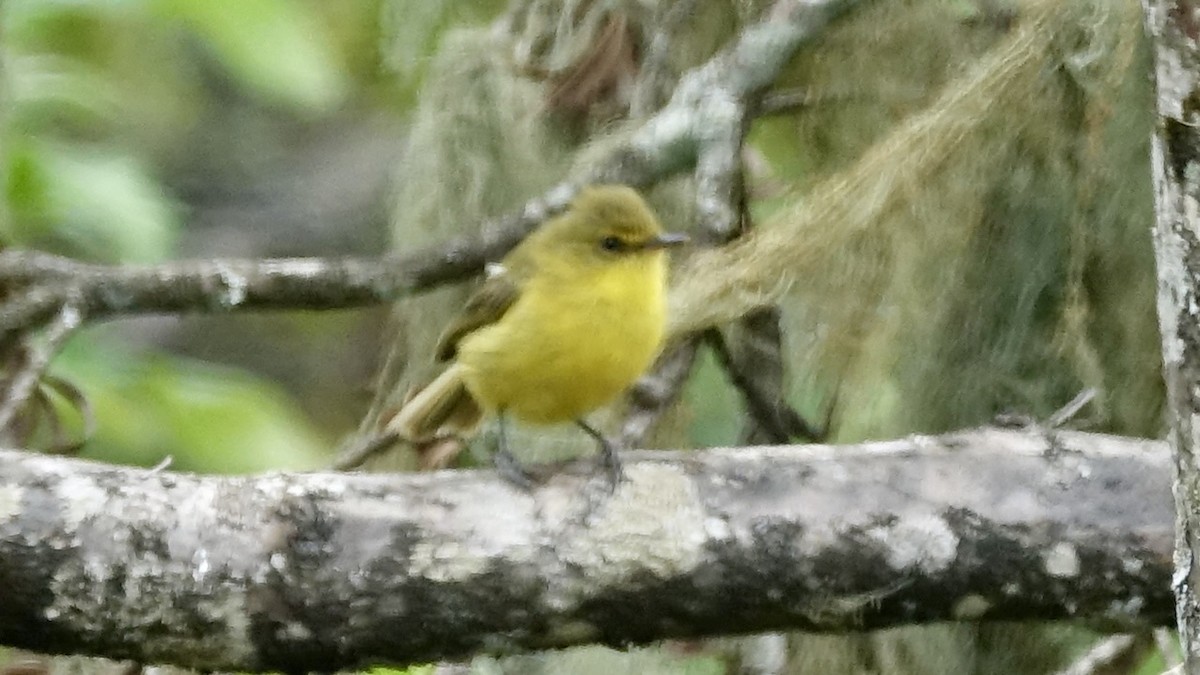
{"x": 331, "y": 571}
{"x": 665, "y": 144}
{"x": 41, "y": 284}
{"x": 655, "y": 392}
{"x": 28, "y": 371}
{"x": 773, "y": 420}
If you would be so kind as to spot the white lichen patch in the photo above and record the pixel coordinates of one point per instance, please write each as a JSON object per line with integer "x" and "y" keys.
{"x": 717, "y": 529}
{"x": 293, "y": 267}
{"x": 444, "y": 561}
{"x": 234, "y": 287}
{"x": 924, "y": 541}
{"x": 1195, "y": 429}
{"x": 10, "y": 502}
{"x": 200, "y": 565}
{"x": 294, "y": 631}
{"x": 1172, "y": 286}
{"x": 654, "y": 524}
{"x": 971, "y": 607}
{"x": 1130, "y": 608}
{"x": 1061, "y": 560}
{"x": 467, "y": 533}
{"x": 81, "y": 499}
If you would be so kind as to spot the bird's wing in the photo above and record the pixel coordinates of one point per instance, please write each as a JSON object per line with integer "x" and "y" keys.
{"x": 499, "y": 291}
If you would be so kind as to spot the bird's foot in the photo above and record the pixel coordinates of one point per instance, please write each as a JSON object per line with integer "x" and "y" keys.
{"x": 511, "y": 470}
{"x": 611, "y": 462}
{"x": 609, "y": 459}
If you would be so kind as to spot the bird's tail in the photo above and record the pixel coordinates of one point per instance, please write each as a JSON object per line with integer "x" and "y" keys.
{"x": 443, "y": 408}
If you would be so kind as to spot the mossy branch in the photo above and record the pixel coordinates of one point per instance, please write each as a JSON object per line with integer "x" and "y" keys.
{"x": 325, "y": 572}
{"x": 723, "y": 284}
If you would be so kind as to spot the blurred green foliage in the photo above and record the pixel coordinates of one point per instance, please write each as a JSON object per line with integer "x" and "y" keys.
{"x": 95, "y": 204}
{"x": 413, "y": 29}
{"x": 92, "y": 85}
{"x": 206, "y": 417}
{"x": 1152, "y": 664}
{"x": 94, "y": 95}
{"x": 275, "y": 47}
{"x": 713, "y": 404}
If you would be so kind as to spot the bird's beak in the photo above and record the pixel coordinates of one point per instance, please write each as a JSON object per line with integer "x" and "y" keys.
{"x": 668, "y": 240}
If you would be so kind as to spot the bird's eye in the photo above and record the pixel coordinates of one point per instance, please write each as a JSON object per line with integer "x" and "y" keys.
{"x": 611, "y": 244}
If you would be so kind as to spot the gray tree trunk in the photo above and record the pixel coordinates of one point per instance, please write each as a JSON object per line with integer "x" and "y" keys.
{"x": 1174, "y": 28}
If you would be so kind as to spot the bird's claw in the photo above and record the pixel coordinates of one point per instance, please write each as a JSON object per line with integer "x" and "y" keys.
{"x": 511, "y": 470}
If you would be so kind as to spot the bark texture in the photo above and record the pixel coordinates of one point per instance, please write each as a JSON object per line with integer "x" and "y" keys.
{"x": 318, "y": 572}
{"x": 1174, "y": 28}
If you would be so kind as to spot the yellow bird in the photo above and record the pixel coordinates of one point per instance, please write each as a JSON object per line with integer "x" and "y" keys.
{"x": 568, "y": 320}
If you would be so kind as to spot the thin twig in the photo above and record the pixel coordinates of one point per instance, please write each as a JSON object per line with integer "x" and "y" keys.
{"x": 29, "y": 309}
{"x": 163, "y": 464}
{"x": 1103, "y": 654}
{"x": 21, "y": 267}
{"x": 362, "y": 447}
{"x": 785, "y": 101}
{"x": 61, "y": 444}
{"x": 760, "y": 409}
{"x": 779, "y": 420}
{"x": 756, "y": 365}
{"x": 655, "y": 392}
{"x": 236, "y": 284}
{"x": 793, "y": 100}
{"x": 25, "y": 380}
{"x": 1071, "y": 409}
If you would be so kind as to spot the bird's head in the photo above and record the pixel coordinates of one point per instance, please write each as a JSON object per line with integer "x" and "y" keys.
{"x": 607, "y": 223}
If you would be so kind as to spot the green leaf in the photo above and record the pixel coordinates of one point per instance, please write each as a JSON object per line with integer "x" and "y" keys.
{"x": 275, "y": 47}
{"x": 22, "y": 20}
{"x": 713, "y": 404}
{"x": 102, "y": 205}
{"x": 44, "y": 88}
{"x": 25, "y": 186}
{"x": 208, "y": 418}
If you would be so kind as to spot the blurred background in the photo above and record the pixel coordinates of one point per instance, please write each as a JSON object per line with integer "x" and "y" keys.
{"x": 139, "y": 131}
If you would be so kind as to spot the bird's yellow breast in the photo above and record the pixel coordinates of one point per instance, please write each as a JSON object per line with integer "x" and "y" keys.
{"x": 573, "y": 340}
